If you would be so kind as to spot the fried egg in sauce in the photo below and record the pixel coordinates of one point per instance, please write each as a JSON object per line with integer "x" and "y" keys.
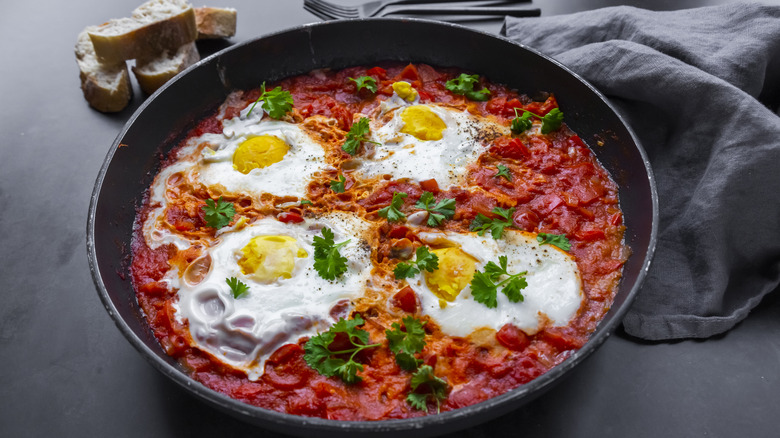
{"x": 553, "y": 295}
{"x": 286, "y": 297}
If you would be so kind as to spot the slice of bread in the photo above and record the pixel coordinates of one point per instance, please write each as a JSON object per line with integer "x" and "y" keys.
{"x": 215, "y": 23}
{"x": 105, "y": 86}
{"x": 154, "y": 27}
{"x": 153, "y": 73}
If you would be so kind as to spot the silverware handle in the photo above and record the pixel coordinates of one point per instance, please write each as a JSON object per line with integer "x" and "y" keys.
{"x": 486, "y": 10}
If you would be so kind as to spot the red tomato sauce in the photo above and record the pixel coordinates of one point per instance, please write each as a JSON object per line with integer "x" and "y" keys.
{"x": 557, "y": 187}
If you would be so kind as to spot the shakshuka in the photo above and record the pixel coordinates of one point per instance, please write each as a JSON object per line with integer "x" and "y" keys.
{"x": 377, "y": 242}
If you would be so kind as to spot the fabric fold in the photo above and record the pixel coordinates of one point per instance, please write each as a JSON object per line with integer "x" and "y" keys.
{"x": 695, "y": 85}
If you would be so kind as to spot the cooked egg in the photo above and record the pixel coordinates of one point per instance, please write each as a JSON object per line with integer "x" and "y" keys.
{"x": 286, "y": 297}
{"x": 423, "y": 141}
{"x": 553, "y": 295}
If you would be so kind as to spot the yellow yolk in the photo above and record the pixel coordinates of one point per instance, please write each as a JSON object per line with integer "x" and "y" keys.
{"x": 261, "y": 151}
{"x": 456, "y": 268}
{"x": 404, "y": 90}
{"x": 268, "y": 258}
{"x": 422, "y": 123}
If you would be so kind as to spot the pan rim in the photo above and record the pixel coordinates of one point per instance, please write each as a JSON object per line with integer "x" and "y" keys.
{"x": 488, "y": 409}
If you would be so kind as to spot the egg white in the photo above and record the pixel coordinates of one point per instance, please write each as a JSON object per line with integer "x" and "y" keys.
{"x": 403, "y": 156}
{"x": 553, "y": 295}
{"x": 243, "y": 332}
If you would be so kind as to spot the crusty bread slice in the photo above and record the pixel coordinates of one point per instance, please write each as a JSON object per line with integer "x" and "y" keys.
{"x": 215, "y": 23}
{"x": 105, "y": 86}
{"x": 153, "y": 73}
{"x": 154, "y": 27}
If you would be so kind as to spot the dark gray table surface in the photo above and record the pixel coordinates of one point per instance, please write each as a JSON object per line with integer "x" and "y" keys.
{"x": 65, "y": 369}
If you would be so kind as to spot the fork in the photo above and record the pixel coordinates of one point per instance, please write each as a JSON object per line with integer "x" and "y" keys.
{"x": 327, "y": 10}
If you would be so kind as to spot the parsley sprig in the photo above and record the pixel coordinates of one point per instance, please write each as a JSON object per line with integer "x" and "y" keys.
{"x": 485, "y": 284}
{"x": 435, "y": 387}
{"x": 393, "y": 211}
{"x": 328, "y": 262}
{"x": 496, "y": 226}
{"x": 550, "y": 121}
{"x": 218, "y": 214}
{"x": 237, "y": 287}
{"x": 277, "y": 102}
{"x": 443, "y": 209}
{"x": 337, "y": 185}
{"x": 503, "y": 172}
{"x": 405, "y": 343}
{"x": 366, "y": 82}
{"x": 425, "y": 261}
{"x": 464, "y": 85}
{"x": 559, "y": 240}
{"x": 320, "y": 357}
{"x": 357, "y": 134}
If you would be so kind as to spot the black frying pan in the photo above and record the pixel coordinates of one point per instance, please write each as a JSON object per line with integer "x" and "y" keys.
{"x": 161, "y": 122}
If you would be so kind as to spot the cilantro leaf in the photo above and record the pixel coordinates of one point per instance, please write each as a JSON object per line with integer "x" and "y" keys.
{"x": 404, "y": 344}
{"x": 425, "y": 261}
{"x": 464, "y": 85}
{"x": 337, "y": 185}
{"x": 559, "y": 240}
{"x": 552, "y": 121}
{"x": 321, "y": 358}
{"x": 485, "y": 284}
{"x": 328, "y": 262}
{"x": 496, "y": 226}
{"x": 357, "y": 134}
{"x": 522, "y": 123}
{"x": 238, "y": 288}
{"x": 392, "y": 212}
{"x": 435, "y": 387}
{"x": 218, "y": 214}
{"x": 366, "y": 82}
{"x": 277, "y": 102}
{"x": 306, "y": 201}
{"x": 443, "y": 209}
{"x": 503, "y": 172}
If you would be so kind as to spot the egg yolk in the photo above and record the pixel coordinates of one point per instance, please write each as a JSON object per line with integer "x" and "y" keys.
{"x": 268, "y": 258}
{"x": 422, "y": 123}
{"x": 456, "y": 268}
{"x": 404, "y": 90}
{"x": 261, "y": 151}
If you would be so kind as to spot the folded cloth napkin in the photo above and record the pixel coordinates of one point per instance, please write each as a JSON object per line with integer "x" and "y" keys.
{"x": 699, "y": 88}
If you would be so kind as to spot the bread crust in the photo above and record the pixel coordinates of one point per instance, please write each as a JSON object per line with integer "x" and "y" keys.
{"x": 106, "y": 87}
{"x": 146, "y": 33}
{"x": 151, "y": 74}
{"x": 215, "y": 23}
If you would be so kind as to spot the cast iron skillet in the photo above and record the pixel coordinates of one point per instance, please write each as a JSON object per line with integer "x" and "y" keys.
{"x": 162, "y": 120}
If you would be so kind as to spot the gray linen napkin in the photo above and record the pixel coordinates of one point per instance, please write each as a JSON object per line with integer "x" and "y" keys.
{"x": 693, "y": 84}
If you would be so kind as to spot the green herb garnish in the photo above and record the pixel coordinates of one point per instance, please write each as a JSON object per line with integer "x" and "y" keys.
{"x": 277, "y": 102}
{"x": 405, "y": 343}
{"x": 366, "y": 82}
{"x": 484, "y": 286}
{"x": 559, "y": 240}
{"x": 503, "y": 172}
{"x": 328, "y": 262}
{"x": 327, "y": 362}
{"x": 482, "y": 223}
{"x": 238, "y": 288}
{"x": 436, "y": 389}
{"x": 357, "y": 134}
{"x": 337, "y": 185}
{"x": 550, "y": 122}
{"x": 464, "y": 85}
{"x": 392, "y": 212}
{"x": 424, "y": 261}
{"x": 218, "y": 214}
{"x": 443, "y": 209}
